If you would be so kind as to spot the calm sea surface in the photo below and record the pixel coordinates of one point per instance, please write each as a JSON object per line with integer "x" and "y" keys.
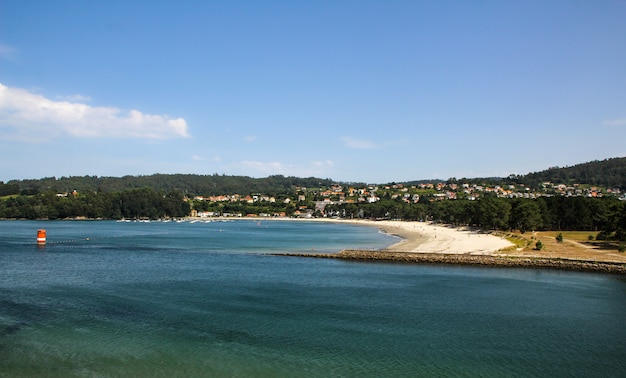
{"x": 159, "y": 299}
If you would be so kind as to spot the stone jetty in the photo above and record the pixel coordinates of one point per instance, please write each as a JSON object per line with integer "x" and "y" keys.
{"x": 471, "y": 259}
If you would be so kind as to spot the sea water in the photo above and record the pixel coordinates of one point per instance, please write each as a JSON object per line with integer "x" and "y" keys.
{"x": 110, "y": 299}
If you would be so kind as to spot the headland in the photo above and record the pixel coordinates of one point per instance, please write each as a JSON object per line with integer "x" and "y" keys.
{"x": 425, "y": 242}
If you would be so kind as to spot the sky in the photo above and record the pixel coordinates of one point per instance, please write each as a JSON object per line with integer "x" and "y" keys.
{"x": 353, "y": 90}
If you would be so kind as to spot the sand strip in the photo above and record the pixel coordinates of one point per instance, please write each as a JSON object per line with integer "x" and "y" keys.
{"x": 427, "y": 237}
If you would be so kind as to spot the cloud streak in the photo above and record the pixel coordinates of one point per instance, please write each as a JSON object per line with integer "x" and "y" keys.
{"x": 360, "y": 144}
{"x": 260, "y": 168}
{"x": 216, "y": 159}
{"x": 75, "y": 98}
{"x": 29, "y": 116}
{"x": 7, "y": 52}
{"x": 616, "y": 122}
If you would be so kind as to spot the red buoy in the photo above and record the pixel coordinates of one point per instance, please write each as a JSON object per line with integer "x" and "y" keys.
{"x": 41, "y": 237}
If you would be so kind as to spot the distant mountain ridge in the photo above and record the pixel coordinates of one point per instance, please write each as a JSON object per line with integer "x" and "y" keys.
{"x": 608, "y": 173}
{"x": 189, "y": 184}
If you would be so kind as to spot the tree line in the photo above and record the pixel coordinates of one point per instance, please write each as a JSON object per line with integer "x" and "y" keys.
{"x": 493, "y": 213}
{"x": 606, "y": 214}
{"x": 188, "y": 184}
{"x": 133, "y": 204}
{"x": 608, "y": 173}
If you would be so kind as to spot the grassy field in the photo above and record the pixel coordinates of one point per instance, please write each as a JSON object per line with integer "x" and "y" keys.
{"x": 578, "y": 245}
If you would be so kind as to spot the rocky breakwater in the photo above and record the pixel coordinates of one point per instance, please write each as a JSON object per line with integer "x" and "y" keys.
{"x": 472, "y": 259}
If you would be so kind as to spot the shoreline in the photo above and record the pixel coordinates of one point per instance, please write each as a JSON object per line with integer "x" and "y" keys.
{"x": 425, "y": 237}
{"x": 426, "y": 243}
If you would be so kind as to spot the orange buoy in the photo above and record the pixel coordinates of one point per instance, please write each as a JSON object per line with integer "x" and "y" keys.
{"x": 41, "y": 237}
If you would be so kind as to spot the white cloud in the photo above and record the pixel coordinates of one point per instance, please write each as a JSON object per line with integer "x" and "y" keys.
{"x": 360, "y": 144}
{"x": 323, "y": 164}
{"x": 29, "y": 116}
{"x": 363, "y": 144}
{"x": 249, "y": 138}
{"x": 616, "y": 122}
{"x": 7, "y": 52}
{"x": 216, "y": 159}
{"x": 75, "y": 98}
{"x": 259, "y": 168}
{"x": 272, "y": 167}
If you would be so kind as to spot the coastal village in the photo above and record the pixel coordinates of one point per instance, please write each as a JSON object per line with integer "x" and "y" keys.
{"x": 311, "y": 202}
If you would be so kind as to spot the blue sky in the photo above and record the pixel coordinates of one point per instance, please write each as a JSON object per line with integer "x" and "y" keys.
{"x": 373, "y": 91}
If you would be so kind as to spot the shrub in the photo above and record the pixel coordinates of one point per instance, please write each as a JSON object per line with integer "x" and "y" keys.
{"x": 559, "y": 238}
{"x": 622, "y": 247}
{"x": 590, "y": 238}
{"x": 603, "y": 235}
{"x": 539, "y": 245}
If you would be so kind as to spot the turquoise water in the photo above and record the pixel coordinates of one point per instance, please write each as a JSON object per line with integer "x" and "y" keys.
{"x": 179, "y": 299}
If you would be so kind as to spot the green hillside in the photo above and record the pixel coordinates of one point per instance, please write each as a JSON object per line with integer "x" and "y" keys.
{"x": 184, "y": 183}
{"x": 608, "y": 173}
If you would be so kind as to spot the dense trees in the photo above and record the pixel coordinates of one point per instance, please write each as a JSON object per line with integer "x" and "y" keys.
{"x": 609, "y": 173}
{"x": 189, "y": 184}
{"x": 159, "y": 196}
{"x": 134, "y": 203}
{"x": 490, "y": 212}
{"x": 526, "y": 215}
{"x": 493, "y": 213}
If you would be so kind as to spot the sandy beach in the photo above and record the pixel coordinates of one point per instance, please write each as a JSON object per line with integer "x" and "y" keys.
{"x": 422, "y": 237}
{"x": 428, "y": 243}
{"x": 430, "y": 238}
{"x": 426, "y": 237}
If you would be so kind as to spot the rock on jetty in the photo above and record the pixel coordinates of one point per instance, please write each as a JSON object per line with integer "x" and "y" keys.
{"x": 471, "y": 259}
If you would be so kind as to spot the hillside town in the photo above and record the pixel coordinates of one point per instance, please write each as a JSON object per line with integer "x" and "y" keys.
{"x": 313, "y": 201}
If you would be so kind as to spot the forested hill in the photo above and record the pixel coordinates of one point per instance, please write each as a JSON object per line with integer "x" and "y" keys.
{"x": 188, "y": 184}
{"x": 609, "y": 173}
